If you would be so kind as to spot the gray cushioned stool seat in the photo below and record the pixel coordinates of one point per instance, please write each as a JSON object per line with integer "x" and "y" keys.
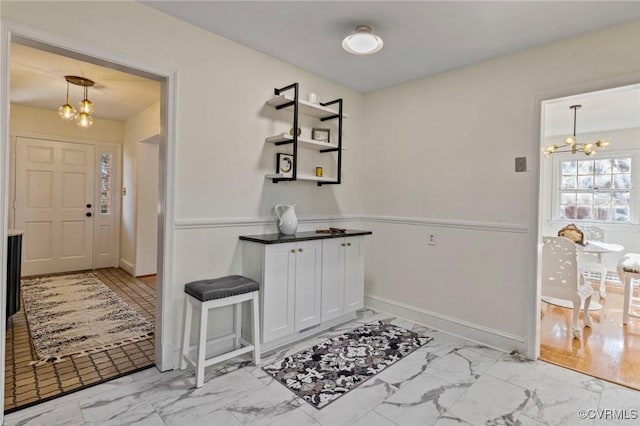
{"x": 218, "y": 288}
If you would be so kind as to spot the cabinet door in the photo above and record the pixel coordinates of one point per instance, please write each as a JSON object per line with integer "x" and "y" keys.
{"x": 278, "y": 291}
{"x": 333, "y": 278}
{"x": 353, "y": 274}
{"x": 308, "y": 294}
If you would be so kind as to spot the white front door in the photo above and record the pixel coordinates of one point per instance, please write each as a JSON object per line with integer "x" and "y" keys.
{"x": 54, "y": 205}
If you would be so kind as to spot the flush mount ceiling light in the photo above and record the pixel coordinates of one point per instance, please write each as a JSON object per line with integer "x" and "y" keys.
{"x": 571, "y": 143}
{"x": 85, "y": 106}
{"x": 362, "y": 41}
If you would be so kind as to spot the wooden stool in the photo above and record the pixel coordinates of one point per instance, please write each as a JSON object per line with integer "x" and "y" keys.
{"x": 628, "y": 270}
{"x": 214, "y": 293}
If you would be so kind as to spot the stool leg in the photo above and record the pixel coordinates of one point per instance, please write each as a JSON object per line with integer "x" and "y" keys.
{"x": 237, "y": 321}
{"x": 255, "y": 329}
{"x": 202, "y": 346}
{"x": 188, "y": 317}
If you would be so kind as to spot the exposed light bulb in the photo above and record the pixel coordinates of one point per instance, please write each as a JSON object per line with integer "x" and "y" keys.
{"x": 569, "y": 140}
{"x": 67, "y": 112}
{"x": 84, "y": 120}
{"x": 85, "y": 105}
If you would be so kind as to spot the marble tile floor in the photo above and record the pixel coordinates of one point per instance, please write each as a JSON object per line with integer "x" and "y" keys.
{"x": 448, "y": 381}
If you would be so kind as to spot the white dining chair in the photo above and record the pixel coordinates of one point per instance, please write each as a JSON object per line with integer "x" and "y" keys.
{"x": 560, "y": 279}
{"x": 592, "y": 262}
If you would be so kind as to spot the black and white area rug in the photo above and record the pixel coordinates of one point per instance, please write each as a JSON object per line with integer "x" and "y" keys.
{"x": 78, "y": 315}
{"x": 327, "y": 371}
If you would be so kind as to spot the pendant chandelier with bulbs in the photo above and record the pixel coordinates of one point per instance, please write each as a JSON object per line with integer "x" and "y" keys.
{"x": 571, "y": 143}
{"x": 82, "y": 115}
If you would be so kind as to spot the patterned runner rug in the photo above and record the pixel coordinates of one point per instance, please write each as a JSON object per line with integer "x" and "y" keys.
{"x": 78, "y": 315}
{"x": 327, "y": 371}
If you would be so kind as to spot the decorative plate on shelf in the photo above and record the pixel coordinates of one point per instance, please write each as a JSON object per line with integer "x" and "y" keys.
{"x": 284, "y": 164}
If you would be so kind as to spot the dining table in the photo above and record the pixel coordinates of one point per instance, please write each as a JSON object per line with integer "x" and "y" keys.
{"x": 599, "y": 248}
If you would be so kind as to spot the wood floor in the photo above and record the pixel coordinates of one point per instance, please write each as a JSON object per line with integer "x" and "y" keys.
{"x": 26, "y": 385}
{"x": 608, "y": 350}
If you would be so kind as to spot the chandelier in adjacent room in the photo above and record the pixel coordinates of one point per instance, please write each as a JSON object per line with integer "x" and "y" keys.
{"x": 82, "y": 115}
{"x": 571, "y": 142}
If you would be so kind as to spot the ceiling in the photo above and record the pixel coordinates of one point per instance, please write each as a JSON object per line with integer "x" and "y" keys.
{"x": 421, "y": 38}
{"x": 308, "y": 34}
{"x": 37, "y": 80}
{"x": 612, "y": 109}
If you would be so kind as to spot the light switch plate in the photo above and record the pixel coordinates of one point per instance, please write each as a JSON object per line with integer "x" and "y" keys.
{"x": 521, "y": 164}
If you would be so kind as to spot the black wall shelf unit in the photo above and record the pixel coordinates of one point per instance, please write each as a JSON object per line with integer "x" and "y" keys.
{"x": 288, "y": 98}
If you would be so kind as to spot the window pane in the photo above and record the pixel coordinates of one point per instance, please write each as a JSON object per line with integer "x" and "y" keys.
{"x": 584, "y": 212}
{"x": 621, "y": 198}
{"x": 105, "y": 183}
{"x": 585, "y": 182}
{"x": 585, "y": 198}
{"x": 105, "y": 161}
{"x": 622, "y": 165}
{"x": 622, "y": 181}
{"x": 568, "y": 167}
{"x": 621, "y": 214}
{"x": 585, "y": 167}
{"x": 602, "y": 200}
{"x": 603, "y": 181}
{"x": 603, "y": 167}
{"x": 601, "y": 213}
{"x": 568, "y": 212}
{"x": 567, "y": 198}
{"x": 569, "y": 182}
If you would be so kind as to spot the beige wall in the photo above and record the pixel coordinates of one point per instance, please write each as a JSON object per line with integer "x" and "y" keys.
{"x": 41, "y": 123}
{"x": 37, "y": 122}
{"x": 443, "y": 149}
{"x": 139, "y": 127}
{"x": 430, "y": 156}
{"x": 221, "y": 123}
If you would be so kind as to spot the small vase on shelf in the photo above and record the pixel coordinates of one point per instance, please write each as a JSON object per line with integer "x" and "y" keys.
{"x": 288, "y": 221}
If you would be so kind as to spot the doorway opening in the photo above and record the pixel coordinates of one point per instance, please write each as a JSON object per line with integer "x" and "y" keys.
{"x": 600, "y": 195}
{"x": 98, "y": 366}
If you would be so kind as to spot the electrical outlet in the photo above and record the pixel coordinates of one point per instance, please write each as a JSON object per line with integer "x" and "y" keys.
{"x": 521, "y": 164}
{"x": 432, "y": 240}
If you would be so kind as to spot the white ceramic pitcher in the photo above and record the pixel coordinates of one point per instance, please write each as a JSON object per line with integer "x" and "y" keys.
{"x": 287, "y": 217}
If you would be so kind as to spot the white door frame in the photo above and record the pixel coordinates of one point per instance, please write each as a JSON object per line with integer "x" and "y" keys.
{"x": 534, "y": 266}
{"x": 12, "y": 31}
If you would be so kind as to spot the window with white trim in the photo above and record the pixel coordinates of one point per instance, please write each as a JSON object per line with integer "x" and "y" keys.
{"x": 595, "y": 189}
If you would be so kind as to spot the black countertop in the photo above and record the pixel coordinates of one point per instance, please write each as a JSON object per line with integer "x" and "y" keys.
{"x": 300, "y": 236}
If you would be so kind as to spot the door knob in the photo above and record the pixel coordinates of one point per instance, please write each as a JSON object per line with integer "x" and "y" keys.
{"x": 88, "y": 214}
{"x": 293, "y": 250}
{"x": 301, "y": 250}
{"x": 349, "y": 244}
{"x": 88, "y": 206}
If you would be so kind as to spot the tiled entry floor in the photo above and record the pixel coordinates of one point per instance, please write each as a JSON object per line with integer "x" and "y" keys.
{"x": 448, "y": 381}
{"x": 25, "y": 384}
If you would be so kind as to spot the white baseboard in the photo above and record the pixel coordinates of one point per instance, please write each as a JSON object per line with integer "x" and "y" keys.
{"x": 127, "y": 266}
{"x": 486, "y": 336}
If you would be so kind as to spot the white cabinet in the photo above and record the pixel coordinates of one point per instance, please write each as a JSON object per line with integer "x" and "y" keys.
{"x": 290, "y": 277}
{"x": 307, "y": 283}
{"x": 342, "y": 276}
{"x": 307, "y": 257}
